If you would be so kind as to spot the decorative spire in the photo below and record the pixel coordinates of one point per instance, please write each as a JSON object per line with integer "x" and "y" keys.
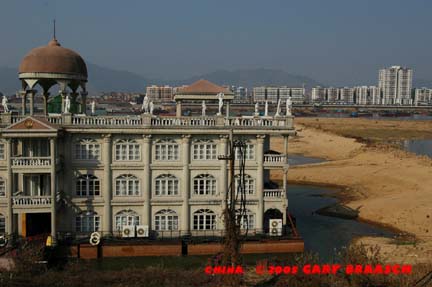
{"x": 54, "y": 41}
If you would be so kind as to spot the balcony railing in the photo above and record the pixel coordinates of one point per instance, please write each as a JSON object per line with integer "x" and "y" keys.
{"x": 162, "y": 121}
{"x": 275, "y": 159}
{"x": 107, "y": 120}
{"x": 273, "y": 193}
{"x": 31, "y": 161}
{"x": 31, "y": 201}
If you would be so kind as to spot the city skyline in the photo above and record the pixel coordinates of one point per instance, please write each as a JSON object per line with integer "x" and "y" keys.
{"x": 354, "y": 38}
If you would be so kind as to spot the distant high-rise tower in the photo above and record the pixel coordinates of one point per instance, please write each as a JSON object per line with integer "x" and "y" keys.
{"x": 396, "y": 83}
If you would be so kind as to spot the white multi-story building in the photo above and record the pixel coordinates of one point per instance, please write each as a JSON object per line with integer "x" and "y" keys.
{"x": 160, "y": 93}
{"x": 396, "y": 84}
{"x": 346, "y": 95}
{"x": 362, "y": 95}
{"x": 319, "y": 95}
{"x": 273, "y": 94}
{"x": 423, "y": 96}
{"x": 76, "y": 174}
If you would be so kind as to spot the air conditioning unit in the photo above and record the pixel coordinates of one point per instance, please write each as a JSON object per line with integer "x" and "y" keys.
{"x": 275, "y": 227}
{"x": 128, "y": 231}
{"x": 142, "y": 231}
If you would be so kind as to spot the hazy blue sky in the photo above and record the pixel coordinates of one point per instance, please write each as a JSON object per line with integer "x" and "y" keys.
{"x": 334, "y": 41}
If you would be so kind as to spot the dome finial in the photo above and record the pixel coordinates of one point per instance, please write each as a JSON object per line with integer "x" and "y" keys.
{"x": 54, "y": 34}
{"x": 54, "y": 41}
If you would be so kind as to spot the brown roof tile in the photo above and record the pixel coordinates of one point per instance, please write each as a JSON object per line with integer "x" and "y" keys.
{"x": 203, "y": 87}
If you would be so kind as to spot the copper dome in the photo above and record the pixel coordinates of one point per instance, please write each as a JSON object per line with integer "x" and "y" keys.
{"x": 54, "y": 59}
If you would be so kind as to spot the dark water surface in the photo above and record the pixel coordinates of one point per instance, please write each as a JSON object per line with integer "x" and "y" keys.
{"x": 295, "y": 159}
{"x": 324, "y": 234}
{"x": 420, "y": 147}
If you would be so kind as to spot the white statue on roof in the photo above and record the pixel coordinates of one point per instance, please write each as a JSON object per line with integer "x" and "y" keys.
{"x": 5, "y": 104}
{"x": 256, "y": 109}
{"x": 151, "y": 107}
{"x": 266, "y": 109}
{"x": 146, "y": 105}
{"x": 278, "y": 109}
{"x": 93, "y": 107}
{"x": 203, "y": 108}
{"x": 220, "y": 98}
{"x": 288, "y": 106}
{"x": 67, "y": 105}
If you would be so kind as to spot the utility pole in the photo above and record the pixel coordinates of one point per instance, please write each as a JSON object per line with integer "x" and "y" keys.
{"x": 232, "y": 218}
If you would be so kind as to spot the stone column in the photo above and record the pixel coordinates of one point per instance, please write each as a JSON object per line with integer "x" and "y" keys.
{"x": 107, "y": 185}
{"x": 260, "y": 182}
{"x": 45, "y": 97}
{"x": 223, "y": 185}
{"x": 53, "y": 191}
{"x": 63, "y": 97}
{"x": 146, "y": 186}
{"x": 32, "y": 94}
{"x": 24, "y": 101}
{"x": 9, "y": 188}
{"x": 227, "y": 109}
{"x": 185, "y": 191}
{"x": 285, "y": 181}
{"x": 84, "y": 102}
{"x": 178, "y": 108}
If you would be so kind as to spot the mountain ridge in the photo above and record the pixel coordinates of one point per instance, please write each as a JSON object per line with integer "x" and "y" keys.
{"x": 103, "y": 79}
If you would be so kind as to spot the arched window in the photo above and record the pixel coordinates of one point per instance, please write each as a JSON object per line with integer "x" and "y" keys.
{"x": 249, "y": 151}
{"x": 127, "y": 149}
{"x": 87, "y": 149}
{"x": 2, "y": 187}
{"x": 87, "y": 221}
{"x": 247, "y": 220}
{"x": 204, "y": 184}
{"x": 87, "y": 185}
{"x": 167, "y": 150}
{"x": 127, "y": 184}
{"x": 248, "y": 181}
{"x": 2, "y": 224}
{"x": 166, "y": 219}
{"x": 204, "y": 150}
{"x": 204, "y": 219}
{"x": 166, "y": 184}
{"x": 126, "y": 217}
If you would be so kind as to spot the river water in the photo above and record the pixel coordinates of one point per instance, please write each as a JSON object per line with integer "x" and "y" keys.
{"x": 420, "y": 147}
{"x": 323, "y": 234}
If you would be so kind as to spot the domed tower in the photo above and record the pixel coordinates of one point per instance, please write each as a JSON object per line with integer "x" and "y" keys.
{"x": 51, "y": 65}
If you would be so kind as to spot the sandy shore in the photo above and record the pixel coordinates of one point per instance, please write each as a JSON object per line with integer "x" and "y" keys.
{"x": 387, "y": 185}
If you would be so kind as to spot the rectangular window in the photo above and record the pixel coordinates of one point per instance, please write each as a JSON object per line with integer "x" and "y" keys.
{"x": 87, "y": 151}
{"x": 204, "y": 151}
{"x": 2, "y": 225}
{"x": 2, "y": 151}
{"x": 127, "y": 151}
{"x": 167, "y": 151}
{"x": 2, "y": 188}
{"x": 249, "y": 152}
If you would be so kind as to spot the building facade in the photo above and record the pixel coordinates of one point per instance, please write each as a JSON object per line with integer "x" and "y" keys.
{"x": 396, "y": 84}
{"x": 273, "y": 94}
{"x": 71, "y": 173}
{"x": 423, "y": 96}
{"x": 160, "y": 93}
